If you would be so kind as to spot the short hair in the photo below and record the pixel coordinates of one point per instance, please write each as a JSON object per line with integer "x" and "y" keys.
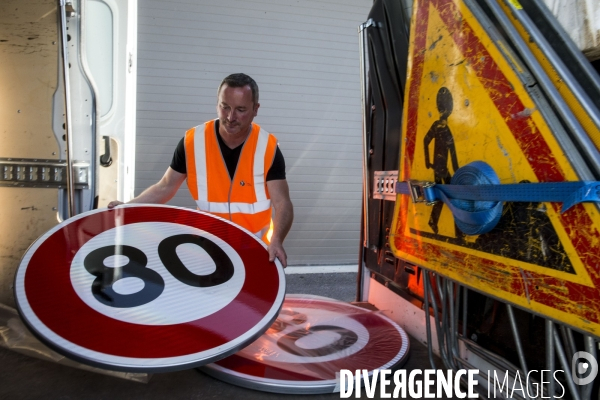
{"x": 241, "y": 80}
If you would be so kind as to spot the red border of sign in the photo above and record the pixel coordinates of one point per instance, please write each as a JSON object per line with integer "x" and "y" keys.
{"x": 575, "y": 221}
{"x": 50, "y": 294}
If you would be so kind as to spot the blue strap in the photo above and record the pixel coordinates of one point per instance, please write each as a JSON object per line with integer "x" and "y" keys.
{"x": 475, "y": 195}
{"x": 568, "y": 193}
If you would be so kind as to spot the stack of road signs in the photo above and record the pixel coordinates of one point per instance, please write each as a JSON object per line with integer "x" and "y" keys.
{"x": 310, "y": 342}
{"x": 468, "y": 98}
{"x": 148, "y": 288}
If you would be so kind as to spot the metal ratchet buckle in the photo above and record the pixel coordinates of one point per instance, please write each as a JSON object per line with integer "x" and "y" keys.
{"x": 417, "y": 191}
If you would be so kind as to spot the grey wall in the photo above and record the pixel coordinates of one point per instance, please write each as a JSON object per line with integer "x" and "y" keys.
{"x": 304, "y": 56}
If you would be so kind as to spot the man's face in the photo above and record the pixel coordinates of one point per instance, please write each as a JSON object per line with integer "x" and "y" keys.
{"x": 236, "y": 110}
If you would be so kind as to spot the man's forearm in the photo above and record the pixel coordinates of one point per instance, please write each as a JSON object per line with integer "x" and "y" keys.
{"x": 155, "y": 194}
{"x": 282, "y": 222}
{"x": 160, "y": 192}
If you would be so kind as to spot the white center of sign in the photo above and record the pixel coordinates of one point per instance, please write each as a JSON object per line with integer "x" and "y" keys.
{"x": 178, "y": 302}
{"x": 313, "y": 345}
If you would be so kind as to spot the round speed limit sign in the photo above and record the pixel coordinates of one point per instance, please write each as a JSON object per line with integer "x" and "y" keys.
{"x": 148, "y": 288}
{"x": 310, "y": 342}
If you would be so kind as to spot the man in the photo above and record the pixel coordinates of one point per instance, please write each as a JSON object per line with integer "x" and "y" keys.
{"x": 234, "y": 169}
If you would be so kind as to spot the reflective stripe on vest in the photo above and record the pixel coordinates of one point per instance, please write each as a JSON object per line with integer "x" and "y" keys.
{"x": 244, "y": 208}
{"x": 243, "y": 199}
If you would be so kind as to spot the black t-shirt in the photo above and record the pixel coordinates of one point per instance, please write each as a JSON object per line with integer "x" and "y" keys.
{"x": 231, "y": 157}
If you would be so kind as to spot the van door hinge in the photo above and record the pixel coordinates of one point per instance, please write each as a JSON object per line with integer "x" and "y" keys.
{"x": 29, "y": 172}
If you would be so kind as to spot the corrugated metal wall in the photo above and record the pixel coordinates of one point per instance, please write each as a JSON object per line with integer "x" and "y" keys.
{"x": 304, "y": 56}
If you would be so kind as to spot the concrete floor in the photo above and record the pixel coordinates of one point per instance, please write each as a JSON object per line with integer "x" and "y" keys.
{"x": 23, "y": 377}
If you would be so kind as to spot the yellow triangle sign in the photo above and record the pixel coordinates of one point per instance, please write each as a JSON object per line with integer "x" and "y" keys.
{"x": 466, "y": 101}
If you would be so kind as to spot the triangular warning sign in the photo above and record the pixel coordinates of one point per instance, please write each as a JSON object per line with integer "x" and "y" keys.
{"x": 467, "y": 100}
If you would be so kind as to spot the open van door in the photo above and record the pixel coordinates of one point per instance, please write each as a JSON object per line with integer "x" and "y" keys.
{"x": 68, "y": 139}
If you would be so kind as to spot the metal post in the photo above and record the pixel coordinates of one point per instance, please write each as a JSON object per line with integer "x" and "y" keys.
{"x": 362, "y": 42}
{"x": 550, "y": 354}
{"x": 94, "y": 104}
{"x": 513, "y": 326}
{"x": 565, "y": 365}
{"x": 456, "y": 308}
{"x": 464, "y": 321}
{"x": 589, "y": 343}
{"x": 361, "y": 256}
{"x": 451, "y": 342}
{"x": 443, "y": 331}
{"x": 568, "y": 340}
{"x": 68, "y": 125}
{"x": 438, "y": 328}
{"x": 426, "y": 290}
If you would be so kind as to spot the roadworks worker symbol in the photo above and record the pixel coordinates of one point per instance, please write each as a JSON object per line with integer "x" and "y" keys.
{"x": 148, "y": 288}
{"x": 466, "y": 102}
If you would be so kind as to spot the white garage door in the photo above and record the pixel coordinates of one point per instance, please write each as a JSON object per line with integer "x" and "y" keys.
{"x": 304, "y": 56}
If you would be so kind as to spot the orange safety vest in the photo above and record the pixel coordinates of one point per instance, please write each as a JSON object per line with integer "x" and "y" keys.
{"x": 244, "y": 199}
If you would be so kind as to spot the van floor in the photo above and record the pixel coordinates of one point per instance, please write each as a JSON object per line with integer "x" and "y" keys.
{"x": 23, "y": 377}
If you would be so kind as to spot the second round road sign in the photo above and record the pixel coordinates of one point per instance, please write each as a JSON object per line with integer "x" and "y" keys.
{"x": 148, "y": 288}
{"x": 310, "y": 342}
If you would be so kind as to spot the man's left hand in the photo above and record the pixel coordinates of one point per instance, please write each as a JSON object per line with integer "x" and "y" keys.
{"x": 276, "y": 250}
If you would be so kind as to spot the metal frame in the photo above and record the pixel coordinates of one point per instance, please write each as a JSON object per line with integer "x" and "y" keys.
{"x": 85, "y": 72}
{"x": 364, "y": 231}
{"x": 68, "y": 122}
{"x": 578, "y": 132}
{"x": 559, "y": 346}
{"x": 364, "y": 89}
{"x": 560, "y": 67}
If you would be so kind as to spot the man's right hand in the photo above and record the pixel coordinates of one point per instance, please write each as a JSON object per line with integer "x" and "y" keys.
{"x": 114, "y": 203}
